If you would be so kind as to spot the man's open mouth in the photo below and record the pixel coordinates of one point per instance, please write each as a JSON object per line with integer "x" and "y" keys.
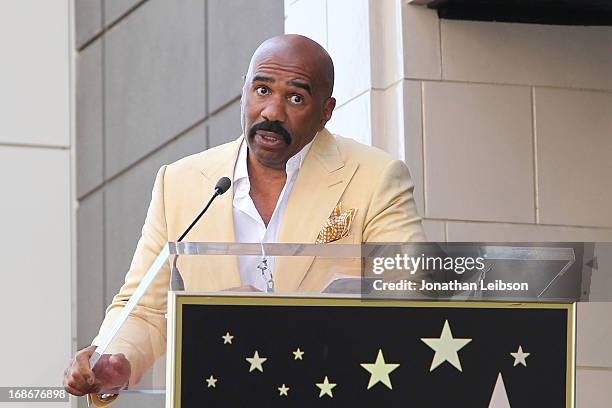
{"x": 269, "y": 139}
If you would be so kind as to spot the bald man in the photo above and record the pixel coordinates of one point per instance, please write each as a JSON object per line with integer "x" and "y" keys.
{"x": 289, "y": 174}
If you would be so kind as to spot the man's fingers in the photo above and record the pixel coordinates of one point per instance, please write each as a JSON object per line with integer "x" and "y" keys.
{"x": 79, "y": 379}
{"x": 76, "y": 378}
{"x": 83, "y": 355}
{"x": 82, "y": 362}
{"x": 112, "y": 371}
{"x": 83, "y": 375}
{"x": 95, "y": 387}
{"x": 78, "y": 388}
{"x": 71, "y": 390}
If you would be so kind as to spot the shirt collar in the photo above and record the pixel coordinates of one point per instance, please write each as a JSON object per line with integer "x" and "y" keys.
{"x": 241, "y": 174}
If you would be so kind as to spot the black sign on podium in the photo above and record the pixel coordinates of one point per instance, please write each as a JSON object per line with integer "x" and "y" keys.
{"x": 278, "y": 351}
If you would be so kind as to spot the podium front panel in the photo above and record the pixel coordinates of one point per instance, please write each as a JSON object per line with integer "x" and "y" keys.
{"x": 314, "y": 351}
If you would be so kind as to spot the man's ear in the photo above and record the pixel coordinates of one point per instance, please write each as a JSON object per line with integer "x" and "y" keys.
{"x": 328, "y": 109}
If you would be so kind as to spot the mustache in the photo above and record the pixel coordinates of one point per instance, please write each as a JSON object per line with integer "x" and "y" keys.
{"x": 271, "y": 126}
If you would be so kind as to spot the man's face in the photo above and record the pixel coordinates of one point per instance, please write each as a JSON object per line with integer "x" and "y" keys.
{"x": 283, "y": 107}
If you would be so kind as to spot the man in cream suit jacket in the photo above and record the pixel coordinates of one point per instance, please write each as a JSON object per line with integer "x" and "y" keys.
{"x": 286, "y": 102}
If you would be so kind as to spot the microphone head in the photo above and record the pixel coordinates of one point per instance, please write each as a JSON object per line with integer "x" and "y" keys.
{"x": 222, "y": 185}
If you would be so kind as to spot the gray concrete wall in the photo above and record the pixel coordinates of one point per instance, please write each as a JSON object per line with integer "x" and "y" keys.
{"x": 156, "y": 80}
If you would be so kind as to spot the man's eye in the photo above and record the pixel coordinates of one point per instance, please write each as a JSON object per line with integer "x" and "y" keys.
{"x": 296, "y": 99}
{"x": 262, "y": 90}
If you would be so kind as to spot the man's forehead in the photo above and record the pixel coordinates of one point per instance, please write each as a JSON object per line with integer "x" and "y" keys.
{"x": 296, "y": 56}
{"x": 282, "y": 63}
{"x": 273, "y": 69}
{"x": 282, "y": 72}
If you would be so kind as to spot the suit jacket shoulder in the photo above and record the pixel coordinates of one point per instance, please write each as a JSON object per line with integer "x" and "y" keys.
{"x": 369, "y": 158}
{"x": 207, "y": 161}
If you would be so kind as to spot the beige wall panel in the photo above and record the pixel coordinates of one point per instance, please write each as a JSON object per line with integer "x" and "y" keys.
{"x": 309, "y": 18}
{"x": 478, "y": 152}
{"x": 386, "y": 42}
{"x": 601, "y": 275}
{"x": 593, "y": 388}
{"x": 531, "y": 54}
{"x": 421, "y": 43}
{"x": 413, "y": 133}
{"x": 353, "y": 119}
{"x": 574, "y": 146}
{"x": 434, "y": 230}
{"x": 485, "y": 231}
{"x": 388, "y": 120}
{"x": 348, "y": 42}
{"x": 594, "y": 334}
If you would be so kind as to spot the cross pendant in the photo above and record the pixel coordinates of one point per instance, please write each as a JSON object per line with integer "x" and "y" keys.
{"x": 263, "y": 266}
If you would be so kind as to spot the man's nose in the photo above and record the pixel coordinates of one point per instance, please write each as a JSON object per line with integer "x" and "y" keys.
{"x": 274, "y": 110}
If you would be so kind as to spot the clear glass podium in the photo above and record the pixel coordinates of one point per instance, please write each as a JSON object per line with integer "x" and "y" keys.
{"x": 351, "y": 279}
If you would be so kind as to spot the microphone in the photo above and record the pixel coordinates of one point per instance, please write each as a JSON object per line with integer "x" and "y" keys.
{"x": 176, "y": 281}
{"x": 221, "y": 187}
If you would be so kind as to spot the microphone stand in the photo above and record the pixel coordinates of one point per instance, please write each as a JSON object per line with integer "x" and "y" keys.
{"x": 176, "y": 280}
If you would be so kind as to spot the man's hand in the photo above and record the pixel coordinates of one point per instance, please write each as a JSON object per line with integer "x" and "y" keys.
{"x": 110, "y": 374}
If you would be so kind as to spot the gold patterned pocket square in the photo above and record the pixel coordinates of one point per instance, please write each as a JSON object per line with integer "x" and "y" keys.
{"x": 337, "y": 225}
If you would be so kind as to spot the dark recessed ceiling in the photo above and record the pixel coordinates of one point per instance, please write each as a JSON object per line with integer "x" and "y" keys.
{"x": 565, "y": 12}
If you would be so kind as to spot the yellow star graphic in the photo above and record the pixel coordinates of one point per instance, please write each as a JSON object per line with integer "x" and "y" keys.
{"x": 227, "y": 339}
{"x": 283, "y": 390}
{"x": 380, "y": 371}
{"x": 256, "y": 362}
{"x": 298, "y": 354}
{"x": 446, "y": 348}
{"x": 326, "y": 388}
{"x": 212, "y": 382}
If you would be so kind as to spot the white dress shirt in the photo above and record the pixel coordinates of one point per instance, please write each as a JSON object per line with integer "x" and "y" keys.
{"x": 248, "y": 224}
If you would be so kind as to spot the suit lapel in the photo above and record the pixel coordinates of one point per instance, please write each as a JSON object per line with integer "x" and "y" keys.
{"x": 317, "y": 189}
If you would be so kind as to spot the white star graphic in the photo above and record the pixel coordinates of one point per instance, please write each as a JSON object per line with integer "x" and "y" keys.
{"x": 227, "y": 339}
{"x": 298, "y": 354}
{"x": 380, "y": 371}
{"x": 256, "y": 362}
{"x": 446, "y": 348}
{"x": 520, "y": 357}
{"x": 326, "y": 388}
{"x": 211, "y": 381}
{"x": 283, "y": 390}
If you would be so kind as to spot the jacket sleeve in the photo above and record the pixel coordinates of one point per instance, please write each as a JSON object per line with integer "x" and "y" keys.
{"x": 392, "y": 217}
{"x": 392, "y": 214}
{"x": 142, "y": 338}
